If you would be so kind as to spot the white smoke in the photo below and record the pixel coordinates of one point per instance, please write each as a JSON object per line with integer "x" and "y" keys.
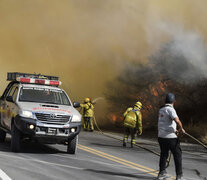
{"x": 189, "y": 45}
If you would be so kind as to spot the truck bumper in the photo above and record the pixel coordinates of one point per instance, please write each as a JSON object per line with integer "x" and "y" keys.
{"x": 47, "y": 133}
{"x": 23, "y": 124}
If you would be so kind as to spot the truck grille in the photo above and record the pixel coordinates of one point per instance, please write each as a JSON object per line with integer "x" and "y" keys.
{"x": 52, "y": 118}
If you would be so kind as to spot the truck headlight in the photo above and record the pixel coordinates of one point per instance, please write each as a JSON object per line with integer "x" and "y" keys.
{"x": 27, "y": 114}
{"x": 76, "y": 118}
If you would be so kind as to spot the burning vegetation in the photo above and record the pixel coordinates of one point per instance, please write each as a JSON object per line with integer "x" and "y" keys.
{"x": 168, "y": 70}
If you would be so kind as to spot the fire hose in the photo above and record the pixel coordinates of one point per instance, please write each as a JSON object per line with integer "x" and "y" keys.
{"x": 136, "y": 144}
{"x": 199, "y": 142}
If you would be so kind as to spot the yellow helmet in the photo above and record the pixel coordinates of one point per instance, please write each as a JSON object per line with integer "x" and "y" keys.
{"x": 86, "y": 100}
{"x": 138, "y": 104}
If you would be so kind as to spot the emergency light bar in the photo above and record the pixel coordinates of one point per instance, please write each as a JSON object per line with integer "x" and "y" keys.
{"x": 38, "y": 81}
{"x": 12, "y": 76}
{"x": 34, "y": 78}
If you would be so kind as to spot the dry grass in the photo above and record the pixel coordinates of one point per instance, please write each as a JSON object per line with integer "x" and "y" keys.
{"x": 204, "y": 139}
{"x": 199, "y": 131}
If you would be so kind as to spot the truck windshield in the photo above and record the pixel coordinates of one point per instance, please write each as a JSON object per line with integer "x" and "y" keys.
{"x": 43, "y": 95}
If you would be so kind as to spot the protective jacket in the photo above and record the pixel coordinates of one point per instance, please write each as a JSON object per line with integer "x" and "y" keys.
{"x": 133, "y": 119}
{"x": 87, "y": 109}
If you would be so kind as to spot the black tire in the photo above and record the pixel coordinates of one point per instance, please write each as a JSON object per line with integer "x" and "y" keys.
{"x": 2, "y": 135}
{"x": 15, "y": 139}
{"x": 72, "y": 145}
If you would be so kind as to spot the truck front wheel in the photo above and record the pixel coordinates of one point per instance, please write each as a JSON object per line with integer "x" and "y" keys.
{"x": 15, "y": 139}
{"x": 2, "y": 135}
{"x": 72, "y": 145}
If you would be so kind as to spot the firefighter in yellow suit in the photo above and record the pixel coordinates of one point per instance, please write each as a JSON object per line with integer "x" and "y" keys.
{"x": 88, "y": 114}
{"x": 132, "y": 123}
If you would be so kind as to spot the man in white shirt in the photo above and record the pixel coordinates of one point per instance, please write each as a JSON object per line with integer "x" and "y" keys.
{"x": 167, "y": 137}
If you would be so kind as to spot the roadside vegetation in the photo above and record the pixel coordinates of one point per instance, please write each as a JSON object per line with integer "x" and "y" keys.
{"x": 166, "y": 71}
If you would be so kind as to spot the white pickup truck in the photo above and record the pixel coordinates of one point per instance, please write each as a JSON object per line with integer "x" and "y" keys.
{"x": 34, "y": 107}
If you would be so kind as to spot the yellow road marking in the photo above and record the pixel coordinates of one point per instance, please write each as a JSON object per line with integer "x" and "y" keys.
{"x": 119, "y": 160}
{"x": 144, "y": 167}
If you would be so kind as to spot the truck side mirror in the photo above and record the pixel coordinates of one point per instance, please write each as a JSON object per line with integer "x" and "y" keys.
{"x": 9, "y": 98}
{"x": 76, "y": 104}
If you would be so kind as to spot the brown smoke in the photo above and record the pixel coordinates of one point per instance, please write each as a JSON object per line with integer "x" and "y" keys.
{"x": 85, "y": 42}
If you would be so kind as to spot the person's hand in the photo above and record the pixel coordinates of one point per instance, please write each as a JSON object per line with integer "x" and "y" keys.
{"x": 177, "y": 132}
{"x": 139, "y": 133}
{"x": 182, "y": 130}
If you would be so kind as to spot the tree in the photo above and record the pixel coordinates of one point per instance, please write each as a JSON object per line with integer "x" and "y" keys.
{"x": 166, "y": 71}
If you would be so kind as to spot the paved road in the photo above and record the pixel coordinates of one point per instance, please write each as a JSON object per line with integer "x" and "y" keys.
{"x": 98, "y": 157}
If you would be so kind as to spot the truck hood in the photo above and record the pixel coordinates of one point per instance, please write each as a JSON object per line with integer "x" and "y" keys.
{"x": 48, "y": 108}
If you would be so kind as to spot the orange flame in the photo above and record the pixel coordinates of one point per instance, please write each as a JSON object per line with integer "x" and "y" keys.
{"x": 154, "y": 91}
{"x": 114, "y": 118}
{"x": 158, "y": 88}
{"x": 162, "y": 86}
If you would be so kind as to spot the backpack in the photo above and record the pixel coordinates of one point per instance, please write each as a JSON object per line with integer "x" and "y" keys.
{"x": 88, "y": 111}
{"x": 131, "y": 119}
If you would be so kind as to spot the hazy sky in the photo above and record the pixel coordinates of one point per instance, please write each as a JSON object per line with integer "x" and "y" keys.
{"x": 86, "y": 42}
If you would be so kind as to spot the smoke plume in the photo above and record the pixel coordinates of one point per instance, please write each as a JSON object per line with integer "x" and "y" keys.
{"x": 187, "y": 50}
{"x": 88, "y": 42}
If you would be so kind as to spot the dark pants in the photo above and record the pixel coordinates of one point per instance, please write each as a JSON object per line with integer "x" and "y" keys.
{"x": 130, "y": 131}
{"x": 88, "y": 123}
{"x": 173, "y": 145}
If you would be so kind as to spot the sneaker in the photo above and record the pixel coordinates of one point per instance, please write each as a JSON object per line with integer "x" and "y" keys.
{"x": 162, "y": 176}
{"x": 180, "y": 177}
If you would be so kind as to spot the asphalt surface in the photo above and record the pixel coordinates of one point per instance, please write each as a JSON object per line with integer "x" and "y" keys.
{"x": 98, "y": 157}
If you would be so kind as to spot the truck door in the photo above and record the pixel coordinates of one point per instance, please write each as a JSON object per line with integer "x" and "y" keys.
{"x": 9, "y": 107}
